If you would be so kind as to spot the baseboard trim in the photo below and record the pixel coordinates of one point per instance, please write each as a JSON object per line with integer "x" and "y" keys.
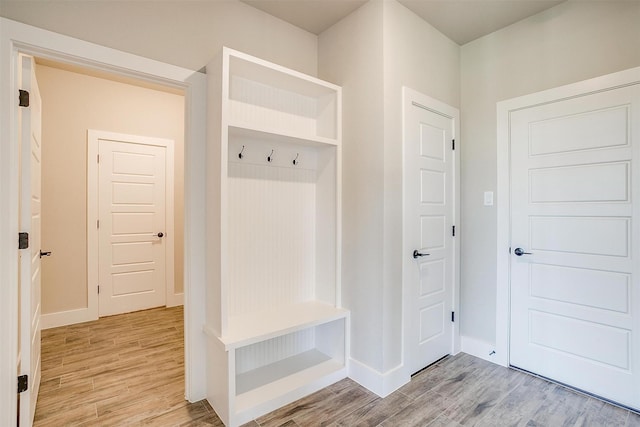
{"x": 479, "y": 348}
{"x": 377, "y": 382}
{"x": 175, "y": 300}
{"x": 64, "y": 318}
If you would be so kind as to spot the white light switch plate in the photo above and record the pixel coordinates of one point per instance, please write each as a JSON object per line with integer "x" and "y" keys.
{"x": 488, "y": 198}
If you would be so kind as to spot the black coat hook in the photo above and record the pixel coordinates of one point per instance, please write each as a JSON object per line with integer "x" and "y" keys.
{"x": 295, "y": 161}
{"x": 270, "y": 158}
{"x": 240, "y": 156}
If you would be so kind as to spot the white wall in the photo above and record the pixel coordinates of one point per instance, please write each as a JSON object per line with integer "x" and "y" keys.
{"x": 350, "y": 55}
{"x": 418, "y": 56}
{"x": 568, "y": 43}
{"x": 372, "y": 53}
{"x": 184, "y": 33}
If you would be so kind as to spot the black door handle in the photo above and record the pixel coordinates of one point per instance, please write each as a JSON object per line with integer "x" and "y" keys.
{"x": 47, "y": 253}
{"x": 160, "y": 234}
{"x": 417, "y": 254}
{"x": 520, "y": 252}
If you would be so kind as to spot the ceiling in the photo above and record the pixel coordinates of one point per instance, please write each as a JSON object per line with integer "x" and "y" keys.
{"x": 460, "y": 20}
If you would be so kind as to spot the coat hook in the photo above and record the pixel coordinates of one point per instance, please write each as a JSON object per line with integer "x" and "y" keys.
{"x": 270, "y": 158}
{"x": 295, "y": 161}
{"x": 240, "y": 156}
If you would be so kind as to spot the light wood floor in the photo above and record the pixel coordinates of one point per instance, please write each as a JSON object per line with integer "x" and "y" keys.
{"x": 129, "y": 370}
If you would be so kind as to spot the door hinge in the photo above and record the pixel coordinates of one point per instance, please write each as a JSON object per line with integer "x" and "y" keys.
{"x": 97, "y": 158}
{"x": 98, "y": 289}
{"x": 23, "y": 240}
{"x": 97, "y": 223}
{"x": 23, "y": 383}
{"x": 453, "y": 316}
{"x": 453, "y": 144}
{"x": 453, "y": 231}
{"x": 23, "y": 97}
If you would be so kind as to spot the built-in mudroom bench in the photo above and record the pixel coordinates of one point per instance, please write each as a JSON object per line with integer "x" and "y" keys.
{"x": 275, "y": 327}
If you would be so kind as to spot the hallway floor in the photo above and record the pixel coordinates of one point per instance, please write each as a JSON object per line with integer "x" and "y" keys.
{"x": 128, "y": 370}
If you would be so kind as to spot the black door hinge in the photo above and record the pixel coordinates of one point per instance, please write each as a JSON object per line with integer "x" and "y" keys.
{"x": 453, "y": 144}
{"x": 453, "y": 316}
{"x": 23, "y": 97}
{"x": 23, "y": 383}
{"x": 453, "y": 231}
{"x": 23, "y": 240}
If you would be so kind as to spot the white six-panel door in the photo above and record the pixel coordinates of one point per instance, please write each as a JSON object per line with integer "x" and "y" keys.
{"x": 575, "y": 294}
{"x": 30, "y": 221}
{"x": 132, "y": 228}
{"x": 429, "y": 244}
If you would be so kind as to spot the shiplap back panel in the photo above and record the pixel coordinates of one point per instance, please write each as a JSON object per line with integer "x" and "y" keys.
{"x": 272, "y": 234}
{"x": 269, "y": 107}
{"x": 270, "y": 351}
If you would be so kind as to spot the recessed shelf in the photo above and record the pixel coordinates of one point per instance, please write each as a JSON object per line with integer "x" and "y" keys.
{"x": 261, "y": 385}
{"x": 268, "y": 73}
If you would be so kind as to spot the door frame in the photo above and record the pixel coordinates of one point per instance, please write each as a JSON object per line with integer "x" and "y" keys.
{"x": 410, "y": 98}
{"x": 504, "y": 109}
{"x": 93, "y": 194}
{"x": 18, "y": 38}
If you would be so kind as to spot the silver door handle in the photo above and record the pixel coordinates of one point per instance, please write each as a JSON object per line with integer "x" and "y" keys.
{"x": 520, "y": 252}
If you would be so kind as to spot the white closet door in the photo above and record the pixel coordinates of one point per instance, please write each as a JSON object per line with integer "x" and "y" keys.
{"x": 575, "y": 279}
{"x": 30, "y": 221}
{"x": 429, "y": 243}
{"x": 132, "y": 249}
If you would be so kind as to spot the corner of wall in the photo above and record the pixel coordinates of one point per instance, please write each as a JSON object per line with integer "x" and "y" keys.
{"x": 480, "y": 349}
{"x": 382, "y": 384}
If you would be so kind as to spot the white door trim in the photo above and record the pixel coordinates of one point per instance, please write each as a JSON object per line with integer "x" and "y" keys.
{"x": 17, "y": 38}
{"x": 93, "y": 137}
{"x": 504, "y": 109}
{"x": 411, "y": 97}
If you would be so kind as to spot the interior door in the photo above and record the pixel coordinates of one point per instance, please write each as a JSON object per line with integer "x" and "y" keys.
{"x": 131, "y": 229}
{"x": 575, "y": 294}
{"x": 429, "y": 256}
{"x": 30, "y": 220}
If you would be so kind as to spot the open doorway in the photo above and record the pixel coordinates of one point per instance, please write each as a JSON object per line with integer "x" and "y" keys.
{"x": 19, "y": 38}
{"x": 78, "y": 100}
{"x": 77, "y": 358}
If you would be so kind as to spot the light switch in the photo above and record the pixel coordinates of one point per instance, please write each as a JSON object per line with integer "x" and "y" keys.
{"x": 488, "y": 198}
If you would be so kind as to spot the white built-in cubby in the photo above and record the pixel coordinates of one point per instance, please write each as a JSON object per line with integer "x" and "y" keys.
{"x": 275, "y": 327}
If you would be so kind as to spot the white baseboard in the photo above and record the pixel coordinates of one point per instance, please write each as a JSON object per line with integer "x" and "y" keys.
{"x": 479, "y": 348}
{"x": 64, "y": 318}
{"x": 71, "y": 317}
{"x": 377, "y": 382}
{"x": 175, "y": 300}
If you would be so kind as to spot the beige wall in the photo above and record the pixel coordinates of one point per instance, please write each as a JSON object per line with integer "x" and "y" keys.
{"x": 73, "y": 103}
{"x": 184, "y": 33}
{"x": 372, "y": 53}
{"x": 569, "y": 43}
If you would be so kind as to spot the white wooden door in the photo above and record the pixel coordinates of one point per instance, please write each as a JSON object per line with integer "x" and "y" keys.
{"x": 429, "y": 251}
{"x": 575, "y": 294}
{"x": 131, "y": 229}
{"x": 30, "y": 221}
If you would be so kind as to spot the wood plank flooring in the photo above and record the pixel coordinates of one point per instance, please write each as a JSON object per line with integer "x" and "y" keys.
{"x": 128, "y": 370}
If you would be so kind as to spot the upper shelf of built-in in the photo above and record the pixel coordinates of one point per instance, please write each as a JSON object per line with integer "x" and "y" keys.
{"x": 269, "y": 99}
